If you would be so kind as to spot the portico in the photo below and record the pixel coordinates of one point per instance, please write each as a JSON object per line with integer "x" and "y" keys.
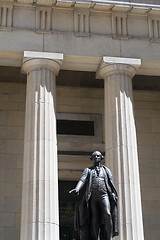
{"x": 39, "y": 219}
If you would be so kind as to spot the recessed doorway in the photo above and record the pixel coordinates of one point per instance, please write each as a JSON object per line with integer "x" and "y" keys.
{"x": 66, "y": 210}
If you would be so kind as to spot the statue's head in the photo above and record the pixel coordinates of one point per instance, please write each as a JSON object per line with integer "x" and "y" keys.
{"x": 96, "y": 156}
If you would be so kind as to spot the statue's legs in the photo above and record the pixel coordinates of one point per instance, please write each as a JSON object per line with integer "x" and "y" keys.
{"x": 94, "y": 217}
{"x": 84, "y": 232}
{"x": 100, "y": 208}
{"x": 105, "y": 209}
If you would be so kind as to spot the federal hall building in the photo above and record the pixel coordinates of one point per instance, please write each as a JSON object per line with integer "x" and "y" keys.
{"x": 78, "y": 76}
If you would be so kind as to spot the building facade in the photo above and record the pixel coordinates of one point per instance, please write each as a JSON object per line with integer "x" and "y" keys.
{"x": 75, "y": 77}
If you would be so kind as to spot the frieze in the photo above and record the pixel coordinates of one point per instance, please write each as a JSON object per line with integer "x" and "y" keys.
{"x": 122, "y": 21}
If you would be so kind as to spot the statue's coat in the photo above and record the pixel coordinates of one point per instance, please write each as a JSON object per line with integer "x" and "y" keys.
{"x": 82, "y": 212}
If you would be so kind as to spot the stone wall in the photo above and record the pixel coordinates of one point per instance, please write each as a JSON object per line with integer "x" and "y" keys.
{"x": 147, "y": 113}
{"x": 12, "y": 100}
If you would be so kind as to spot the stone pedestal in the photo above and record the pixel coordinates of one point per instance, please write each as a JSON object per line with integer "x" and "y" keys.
{"x": 121, "y": 144}
{"x": 39, "y": 216}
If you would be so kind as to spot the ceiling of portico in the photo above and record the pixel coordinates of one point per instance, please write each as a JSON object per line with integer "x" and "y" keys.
{"x": 80, "y": 79}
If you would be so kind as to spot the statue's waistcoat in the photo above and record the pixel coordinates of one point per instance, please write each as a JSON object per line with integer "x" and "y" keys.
{"x": 98, "y": 181}
{"x": 102, "y": 182}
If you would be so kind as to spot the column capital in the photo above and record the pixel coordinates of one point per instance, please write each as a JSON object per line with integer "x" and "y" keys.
{"x": 117, "y": 65}
{"x": 39, "y": 60}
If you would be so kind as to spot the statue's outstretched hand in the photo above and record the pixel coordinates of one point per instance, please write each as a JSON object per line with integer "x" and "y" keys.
{"x": 74, "y": 191}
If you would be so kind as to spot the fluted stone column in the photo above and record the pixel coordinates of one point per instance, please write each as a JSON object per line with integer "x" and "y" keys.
{"x": 39, "y": 214}
{"x": 120, "y": 142}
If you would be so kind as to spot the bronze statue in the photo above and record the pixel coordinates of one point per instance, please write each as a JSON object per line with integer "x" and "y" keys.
{"x": 96, "y": 215}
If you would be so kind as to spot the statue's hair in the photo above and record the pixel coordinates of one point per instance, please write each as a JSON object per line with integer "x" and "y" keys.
{"x": 102, "y": 157}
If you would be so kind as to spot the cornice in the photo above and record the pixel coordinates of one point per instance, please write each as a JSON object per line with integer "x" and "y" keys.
{"x": 100, "y": 5}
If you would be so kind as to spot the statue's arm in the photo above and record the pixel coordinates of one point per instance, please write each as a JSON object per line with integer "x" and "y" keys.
{"x": 111, "y": 184}
{"x": 81, "y": 182}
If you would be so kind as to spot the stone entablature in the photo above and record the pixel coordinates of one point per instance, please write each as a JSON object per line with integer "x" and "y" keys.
{"x": 83, "y": 18}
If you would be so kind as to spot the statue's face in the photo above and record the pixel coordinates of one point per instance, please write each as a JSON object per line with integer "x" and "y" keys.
{"x": 96, "y": 157}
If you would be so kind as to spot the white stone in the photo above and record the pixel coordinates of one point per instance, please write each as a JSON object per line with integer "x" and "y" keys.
{"x": 129, "y": 61}
{"x": 43, "y": 55}
{"x": 39, "y": 219}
